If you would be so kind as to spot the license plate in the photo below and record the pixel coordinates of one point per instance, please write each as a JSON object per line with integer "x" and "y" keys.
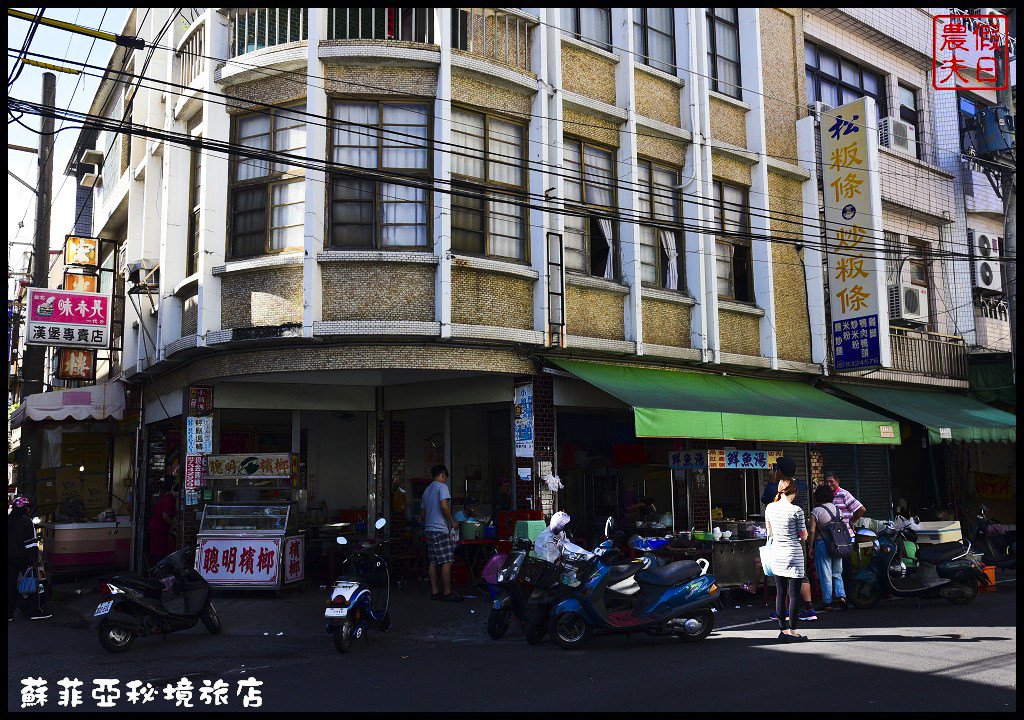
{"x": 103, "y": 608}
{"x": 335, "y": 612}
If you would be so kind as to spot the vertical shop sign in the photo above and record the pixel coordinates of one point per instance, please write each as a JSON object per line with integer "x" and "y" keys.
{"x": 75, "y": 364}
{"x": 292, "y": 558}
{"x": 523, "y": 426}
{"x": 199, "y": 431}
{"x": 195, "y": 471}
{"x": 853, "y": 229}
{"x": 200, "y": 401}
{"x": 68, "y": 319}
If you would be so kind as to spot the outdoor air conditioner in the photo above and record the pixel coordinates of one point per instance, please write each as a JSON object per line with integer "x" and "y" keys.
{"x": 819, "y": 108}
{"x": 908, "y": 303}
{"x": 986, "y": 263}
{"x": 898, "y": 136}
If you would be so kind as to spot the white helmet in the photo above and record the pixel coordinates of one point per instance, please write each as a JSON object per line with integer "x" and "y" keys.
{"x": 558, "y": 521}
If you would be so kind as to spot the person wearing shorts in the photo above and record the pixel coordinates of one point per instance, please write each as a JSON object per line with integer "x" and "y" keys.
{"x": 437, "y": 519}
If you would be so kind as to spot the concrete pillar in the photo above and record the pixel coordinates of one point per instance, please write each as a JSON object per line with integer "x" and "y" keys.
{"x": 701, "y": 140}
{"x": 443, "y": 174}
{"x": 554, "y": 192}
{"x": 540, "y": 180}
{"x": 316, "y": 180}
{"x": 813, "y": 240}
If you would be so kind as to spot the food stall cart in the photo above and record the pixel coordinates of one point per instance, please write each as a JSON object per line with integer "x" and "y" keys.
{"x": 248, "y": 534}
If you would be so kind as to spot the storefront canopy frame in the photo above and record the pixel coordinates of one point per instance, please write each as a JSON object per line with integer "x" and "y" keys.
{"x": 946, "y": 416}
{"x": 93, "y": 402}
{"x": 671, "y": 403}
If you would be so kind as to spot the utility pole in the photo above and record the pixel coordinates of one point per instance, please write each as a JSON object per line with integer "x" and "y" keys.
{"x": 35, "y": 355}
{"x": 1009, "y": 188}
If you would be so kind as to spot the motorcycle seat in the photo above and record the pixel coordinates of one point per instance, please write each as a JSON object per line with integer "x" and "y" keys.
{"x": 934, "y": 554}
{"x": 670, "y": 574}
{"x": 618, "y": 573}
{"x": 141, "y": 582}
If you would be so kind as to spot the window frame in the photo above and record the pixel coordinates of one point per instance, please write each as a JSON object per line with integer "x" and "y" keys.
{"x": 712, "y": 20}
{"x": 194, "y": 212}
{"x": 816, "y": 73}
{"x": 918, "y": 258}
{"x": 596, "y": 212}
{"x": 733, "y": 241}
{"x": 912, "y": 115}
{"x": 419, "y": 177}
{"x": 644, "y": 56}
{"x": 485, "y": 189}
{"x": 657, "y": 225}
{"x": 272, "y": 178}
{"x": 577, "y": 31}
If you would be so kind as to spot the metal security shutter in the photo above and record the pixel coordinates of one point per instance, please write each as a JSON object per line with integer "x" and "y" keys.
{"x": 874, "y": 489}
{"x": 841, "y": 460}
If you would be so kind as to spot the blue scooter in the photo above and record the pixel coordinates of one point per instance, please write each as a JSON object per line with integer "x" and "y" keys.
{"x": 360, "y": 597}
{"x": 676, "y": 599}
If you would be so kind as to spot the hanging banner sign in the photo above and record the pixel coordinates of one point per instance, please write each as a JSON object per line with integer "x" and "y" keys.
{"x": 67, "y": 318}
{"x": 724, "y": 459}
{"x": 75, "y": 364}
{"x": 81, "y": 251}
{"x": 523, "y": 408}
{"x": 293, "y": 558}
{"x": 200, "y": 401}
{"x": 195, "y": 471}
{"x": 255, "y": 465}
{"x": 80, "y": 283}
{"x": 199, "y": 431}
{"x": 853, "y": 237}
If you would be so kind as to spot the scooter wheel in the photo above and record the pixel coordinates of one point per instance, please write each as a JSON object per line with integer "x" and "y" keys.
{"x": 968, "y": 590}
{"x": 702, "y": 626}
{"x": 537, "y": 627}
{"x": 343, "y": 636}
{"x": 115, "y": 639}
{"x": 498, "y": 622}
{"x": 863, "y": 596}
{"x": 569, "y": 630}
{"x": 210, "y": 618}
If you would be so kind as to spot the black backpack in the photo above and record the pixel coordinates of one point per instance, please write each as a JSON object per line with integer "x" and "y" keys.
{"x": 837, "y": 540}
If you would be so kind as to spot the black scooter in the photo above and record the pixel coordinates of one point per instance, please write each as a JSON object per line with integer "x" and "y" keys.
{"x": 998, "y": 549}
{"x": 520, "y": 577}
{"x": 135, "y": 606}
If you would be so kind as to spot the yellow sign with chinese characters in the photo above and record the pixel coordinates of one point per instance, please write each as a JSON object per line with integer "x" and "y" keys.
{"x": 853, "y": 231}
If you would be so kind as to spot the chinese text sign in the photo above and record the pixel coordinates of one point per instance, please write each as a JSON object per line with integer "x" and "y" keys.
{"x": 66, "y": 318}
{"x": 964, "y": 50}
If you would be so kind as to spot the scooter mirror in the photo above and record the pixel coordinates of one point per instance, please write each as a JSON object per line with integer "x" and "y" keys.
{"x": 381, "y": 522}
{"x": 36, "y": 521}
{"x": 342, "y": 540}
{"x": 608, "y": 526}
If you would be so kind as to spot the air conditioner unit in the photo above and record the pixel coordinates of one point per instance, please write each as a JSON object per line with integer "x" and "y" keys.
{"x": 986, "y": 263}
{"x": 898, "y": 136}
{"x": 819, "y": 108}
{"x": 908, "y": 303}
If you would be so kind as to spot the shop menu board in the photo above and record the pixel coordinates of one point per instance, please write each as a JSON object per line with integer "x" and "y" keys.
{"x": 254, "y": 465}
{"x": 723, "y": 459}
{"x": 244, "y": 561}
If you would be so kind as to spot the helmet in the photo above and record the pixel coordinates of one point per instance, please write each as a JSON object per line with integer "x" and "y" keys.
{"x": 20, "y": 501}
{"x": 558, "y": 521}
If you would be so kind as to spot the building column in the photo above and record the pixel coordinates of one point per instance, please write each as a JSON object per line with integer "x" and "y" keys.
{"x": 314, "y": 222}
{"x": 375, "y": 502}
{"x": 705, "y": 241}
{"x": 539, "y": 221}
{"x": 443, "y": 174}
{"x": 813, "y": 257}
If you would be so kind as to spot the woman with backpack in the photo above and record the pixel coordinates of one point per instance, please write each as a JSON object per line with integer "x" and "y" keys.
{"x": 825, "y": 519}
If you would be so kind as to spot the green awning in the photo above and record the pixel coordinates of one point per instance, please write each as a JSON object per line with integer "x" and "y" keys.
{"x": 670, "y": 403}
{"x": 947, "y": 416}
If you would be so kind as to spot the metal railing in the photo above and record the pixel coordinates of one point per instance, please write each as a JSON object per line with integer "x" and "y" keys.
{"x": 255, "y": 28}
{"x": 493, "y": 34}
{"x": 928, "y": 353}
{"x": 193, "y": 52}
{"x": 378, "y": 23}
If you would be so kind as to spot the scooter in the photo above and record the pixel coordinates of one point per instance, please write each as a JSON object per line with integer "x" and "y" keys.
{"x": 359, "y": 599}
{"x": 518, "y": 579}
{"x": 675, "y": 599}
{"x": 136, "y": 607}
{"x": 947, "y": 570}
{"x": 998, "y": 549}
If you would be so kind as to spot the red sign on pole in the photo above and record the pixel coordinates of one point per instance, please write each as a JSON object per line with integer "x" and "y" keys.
{"x": 200, "y": 401}
{"x": 195, "y": 471}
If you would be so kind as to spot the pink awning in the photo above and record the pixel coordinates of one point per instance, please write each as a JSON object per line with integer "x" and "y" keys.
{"x": 95, "y": 402}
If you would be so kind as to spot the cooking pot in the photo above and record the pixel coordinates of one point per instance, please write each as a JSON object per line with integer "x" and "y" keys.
{"x": 470, "y": 530}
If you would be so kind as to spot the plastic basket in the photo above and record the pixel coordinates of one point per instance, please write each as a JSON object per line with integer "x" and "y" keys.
{"x": 529, "y": 529}
{"x": 539, "y": 573}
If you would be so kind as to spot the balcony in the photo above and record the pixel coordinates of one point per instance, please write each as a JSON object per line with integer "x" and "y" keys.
{"x": 927, "y": 353}
{"x": 402, "y": 24}
{"x": 498, "y": 35}
{"x": 256, "y": 28}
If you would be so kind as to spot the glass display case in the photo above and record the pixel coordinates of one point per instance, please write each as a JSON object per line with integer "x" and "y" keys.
{"x": 231, "y": 519}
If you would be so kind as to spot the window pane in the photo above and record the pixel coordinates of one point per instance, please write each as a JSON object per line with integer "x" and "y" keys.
{"x": 812, "y": 94}
{"x": 286, "y": 215}
{"x": 907, "y": 98}
{"x": 290, "y": 136}
{"x": 639, "y": 38}
{"x": 660, "y": 50}
{"x": 404, "y": 136}
{"x": 809, "y": 57}
{"x": 829, "y": 63}
{"x": 716, "y": 211}
{"x": 734, "y": 202}
{"x": 506, "y": 227}
{"x": 467, "y": 224}
{"x": 829, "y": 94}
{"x": 355, "y": 134}
{"x": 871, "y": 83}
{"x": 505, "y": 151}
{"x": 595, "y": 26}
{"x": 648, "y": 255}
{"x": 723, "y": 267}
{"x": 598, "y": 176}
{"x": 352, "y": 212}
{"x": 660, "y": 19}
{"x": 253, "y": 132}
{"x": 403, "y": 216}
{"x": 849, "y": 95}
{"x": 666, "y": 201}
{"x": 573, "y": 169}
{"x": 727, "y": 41}
{"x": 850, "y": 72}
{"x": 569, "y": 20}
{"x": 574, "y": 243}
{"x": 726, "y": 14}
{"x": 728, "y": 77}
{"x": 468, "y": 137}
{"x": 248, "y": 221}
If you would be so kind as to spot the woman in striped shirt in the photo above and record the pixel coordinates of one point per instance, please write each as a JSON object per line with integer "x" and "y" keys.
{"x": 788, "y": 531}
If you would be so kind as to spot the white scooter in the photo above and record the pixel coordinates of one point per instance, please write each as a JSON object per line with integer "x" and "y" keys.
{"x": 359, "y": 598}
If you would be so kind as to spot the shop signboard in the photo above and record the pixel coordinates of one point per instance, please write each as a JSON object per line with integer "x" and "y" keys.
{"x": 200, "y": 401}
{"x": 727, "y": 459}
{"x": 80, "y": 283}
{"x": 81, "y": 251}
{"x": 195, "y": 471}
{"x": 199, "y": 432}
{"x": 292, "y": 558}
{"x": 67, "y": 318}
{"x": 853, "y": 237}
{"x": 688, "y": 460}
{"x": 239, "y": 560}
{"x": 523, "y": 411}
{"x": 254, "y": 465}
{"x": 75, "y": 364}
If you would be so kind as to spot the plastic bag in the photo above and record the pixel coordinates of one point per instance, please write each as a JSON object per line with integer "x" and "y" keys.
{"x": 27, "y": 582}
{"x": 766, "y": 558}
{"x": 546, "y": 545}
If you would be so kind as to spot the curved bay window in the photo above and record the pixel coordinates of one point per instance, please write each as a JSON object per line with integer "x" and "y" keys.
{"x": 490, "y": 162}
{"x": 731, "y": 219}
{"x": 267, "y": 198}
{"x": 371, "y": 213}
{"x": 660, "y": 256}
{"x": 590, "y": 231}
{"x": 836, "y": 81}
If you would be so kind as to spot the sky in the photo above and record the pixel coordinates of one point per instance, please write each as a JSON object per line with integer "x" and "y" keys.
{"x": 57, "y": 43}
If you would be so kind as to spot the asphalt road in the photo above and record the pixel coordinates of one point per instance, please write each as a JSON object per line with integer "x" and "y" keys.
{"x": 896, "y": 657}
